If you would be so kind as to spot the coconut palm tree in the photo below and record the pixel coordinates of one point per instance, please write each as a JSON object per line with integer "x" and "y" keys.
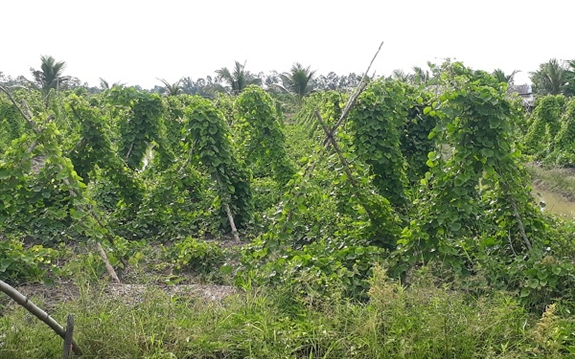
{"x": 399, "y": 75}
{"x": 551, "y": 78}
{"x": 238, "y": 79}
{"x": 49, "y": 77}
{"x": 420, "y": 76}
{"x": 105, "y": 85}
{"x": 172, "y": 89}
{"x": 570, "y": 91}
{"x": 299, "y": 81}
{"x": 329, "y": 82}
{"x": 502, "y": 77}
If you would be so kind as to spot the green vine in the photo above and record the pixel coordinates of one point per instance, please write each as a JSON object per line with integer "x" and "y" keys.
{"x": 263, "y": 141}
{"x": 141, "y": 124}
{"x": 564, "y": 144}
{"x": 11, "y": 123}
{"x": 330, "y": 105}
{"x": 545, "y": 127}
{"x": 483, "y": 175}
{"x": 376, "y": 119}
{"x": 210, "y": 143}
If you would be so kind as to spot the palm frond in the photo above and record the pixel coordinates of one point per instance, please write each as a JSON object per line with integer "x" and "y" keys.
{"x": 238, "y": 79}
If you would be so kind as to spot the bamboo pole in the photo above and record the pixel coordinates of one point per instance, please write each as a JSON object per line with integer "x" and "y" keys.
{"x": 331, "y": 132}
{"x": 37, "y": 312}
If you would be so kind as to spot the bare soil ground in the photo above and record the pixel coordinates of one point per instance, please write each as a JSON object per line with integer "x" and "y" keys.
{"x": 49, "y": 297}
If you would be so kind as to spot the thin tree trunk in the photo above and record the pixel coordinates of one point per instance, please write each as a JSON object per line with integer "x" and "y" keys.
{"x": 130, "y": 150}
{"x": 38, "y": 313}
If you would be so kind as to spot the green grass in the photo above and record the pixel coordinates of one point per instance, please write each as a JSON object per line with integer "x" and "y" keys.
{"x": 421, "y": 321}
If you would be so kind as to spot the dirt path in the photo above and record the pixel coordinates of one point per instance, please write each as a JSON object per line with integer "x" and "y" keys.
{"x": 49, "y": 297}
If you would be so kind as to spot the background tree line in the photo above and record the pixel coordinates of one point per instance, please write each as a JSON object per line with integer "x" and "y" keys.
{"x": 553, "y": 77}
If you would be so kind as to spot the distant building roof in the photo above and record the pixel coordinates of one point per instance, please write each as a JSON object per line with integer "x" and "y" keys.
{"x": 524, "y": 91}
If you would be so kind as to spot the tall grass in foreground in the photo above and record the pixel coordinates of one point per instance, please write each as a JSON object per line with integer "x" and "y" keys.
{"x": 421, "y": 321}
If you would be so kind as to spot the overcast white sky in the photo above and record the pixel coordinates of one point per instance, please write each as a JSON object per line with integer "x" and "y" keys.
{"x": 137, "y": 41}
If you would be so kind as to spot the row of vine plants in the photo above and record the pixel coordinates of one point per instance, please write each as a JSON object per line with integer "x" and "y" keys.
{"x": 406, "y": 176}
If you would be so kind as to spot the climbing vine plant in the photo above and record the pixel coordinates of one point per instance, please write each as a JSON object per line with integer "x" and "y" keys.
{"x": 546, "y": 124}
{"x": 482, "y": 187}
{"x": 11, "y": 123}
{"x": 140, "y": 126}
{"x": 376, "y": 120}
{"x": 169, "y": 144}
{"x": 94, "y": 147}
{"x": 41, "y": 195}
{"x": 210, "y": 142}
{"x": 564, "y": 145}
{"x": 261, "y": 136}
{"x": 329, "y": 104}
{"x": 415, "y": 140}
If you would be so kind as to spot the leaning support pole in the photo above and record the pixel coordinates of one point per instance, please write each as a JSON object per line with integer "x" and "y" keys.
{"x": 353, "y": 98}
{"x": 330, "y": 132}
{"x": 38, "y": 312}
{"x": 28, "y": 119}
{"x": 520, "y": 224}
{"x": 232, "y": 223}
{"x": 109, "y": 267}
{"x": 331, "y": 140}
{"x": 229, "y": 213}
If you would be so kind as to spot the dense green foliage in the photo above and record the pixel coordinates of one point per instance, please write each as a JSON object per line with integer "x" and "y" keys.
{"x": 377, "y": 118}
{"x": 411, "y": 177}
{"x": 545, "y": 126}
{"x": 212, "y": 145}
{"x": 261, "y": 137}
{"x": 550, "y": 136}
{"x": 476, "y": 121}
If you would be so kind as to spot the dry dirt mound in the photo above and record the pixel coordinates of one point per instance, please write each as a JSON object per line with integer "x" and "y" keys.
{"x": 131, "y": 293}
{"x": 51, "y": 296}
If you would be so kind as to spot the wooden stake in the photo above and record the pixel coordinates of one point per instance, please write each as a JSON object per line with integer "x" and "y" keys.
{"x": 344, "y": 163}
{"x": 68, "y": 337}
{"x": 331, "y": 132}
{"x": 520, "y": 224}
{"x": 28, "y": 119}
{"x": 351, "y": 102}
{"x": 232, "y": 223}
{"x": 228, "y": 210}
{"x": 109, "y": 267}
{"x": 37, "y": 312}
